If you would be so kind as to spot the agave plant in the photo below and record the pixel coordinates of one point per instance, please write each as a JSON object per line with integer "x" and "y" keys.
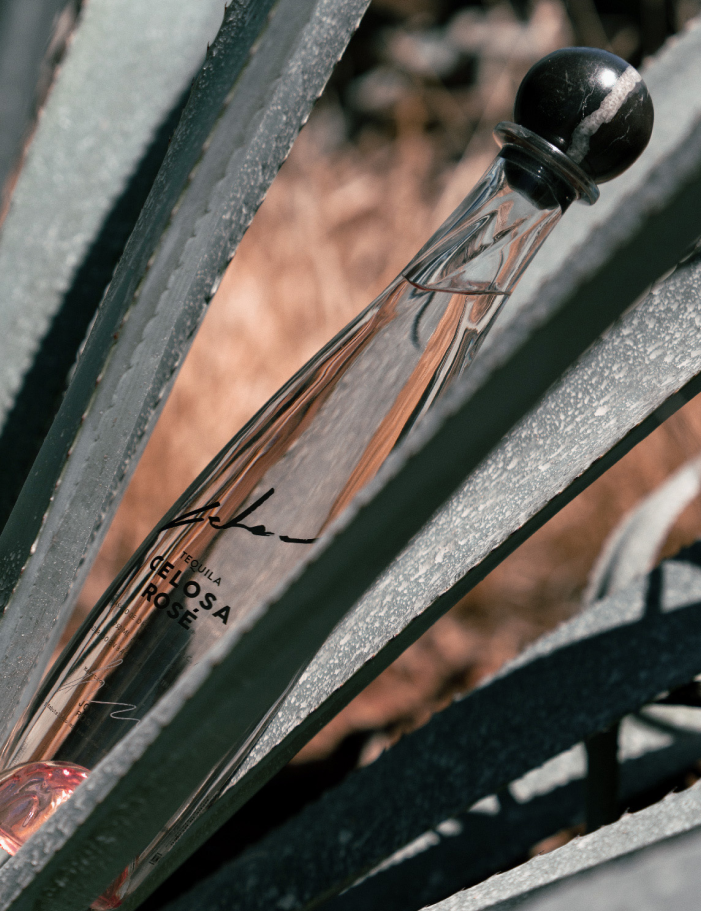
{"x": 138, "y": 183}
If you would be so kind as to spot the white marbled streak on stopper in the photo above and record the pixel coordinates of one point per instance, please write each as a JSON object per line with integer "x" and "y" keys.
{"x": 607, "y": 110}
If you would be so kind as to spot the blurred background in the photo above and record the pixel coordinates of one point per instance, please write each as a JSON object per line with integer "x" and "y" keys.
{"x": 399, "y": 137}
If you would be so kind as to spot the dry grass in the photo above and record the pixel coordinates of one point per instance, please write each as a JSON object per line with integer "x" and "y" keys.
{"x": 336, "y": 227}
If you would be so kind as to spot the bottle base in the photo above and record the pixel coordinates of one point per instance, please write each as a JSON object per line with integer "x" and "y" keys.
{"x": 30, "y": 794}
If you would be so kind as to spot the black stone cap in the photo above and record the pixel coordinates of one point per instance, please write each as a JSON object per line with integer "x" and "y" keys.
{"x": 591, "y": 105}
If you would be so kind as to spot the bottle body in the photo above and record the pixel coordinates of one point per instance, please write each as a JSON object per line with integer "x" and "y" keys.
{"x": 249, "y": 520}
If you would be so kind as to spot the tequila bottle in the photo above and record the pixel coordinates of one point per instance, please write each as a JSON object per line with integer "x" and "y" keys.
{"x": 252, "y": 515}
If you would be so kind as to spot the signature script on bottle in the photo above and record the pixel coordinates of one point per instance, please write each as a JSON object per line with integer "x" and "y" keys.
{"x": 199, "y": 515}
{"x": 120, "y": 708}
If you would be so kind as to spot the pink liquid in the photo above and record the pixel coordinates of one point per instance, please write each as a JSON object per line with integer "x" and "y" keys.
{"x": 29, "y": 794}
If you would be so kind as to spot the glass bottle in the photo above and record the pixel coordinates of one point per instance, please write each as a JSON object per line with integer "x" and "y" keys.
{"x": 251, "y": 516}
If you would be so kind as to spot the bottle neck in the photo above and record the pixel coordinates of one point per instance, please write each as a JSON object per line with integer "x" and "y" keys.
{"x": 541, "y": 171}
{"x": 533, "y": 179}
{"x": 485, "y": 245}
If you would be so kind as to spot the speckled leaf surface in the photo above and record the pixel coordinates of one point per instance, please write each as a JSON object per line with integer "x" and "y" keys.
{"x": 133, "y": 792}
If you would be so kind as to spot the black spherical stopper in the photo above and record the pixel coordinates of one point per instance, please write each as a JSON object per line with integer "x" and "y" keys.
{"x": 591, "y": 105}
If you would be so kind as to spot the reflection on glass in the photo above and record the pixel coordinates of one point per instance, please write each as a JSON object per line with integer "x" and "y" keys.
{"x": 251, "y": 517}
